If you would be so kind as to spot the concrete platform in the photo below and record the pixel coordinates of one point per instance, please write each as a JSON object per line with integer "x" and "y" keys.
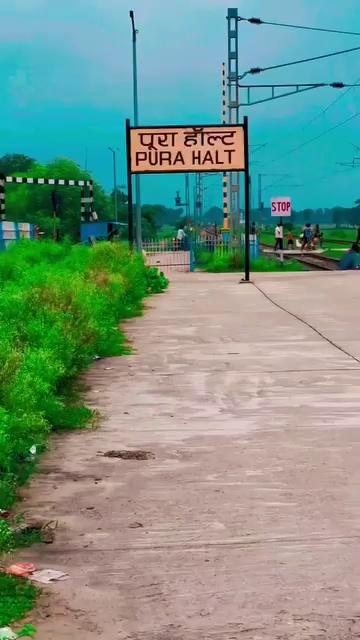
{"x": 246, "y": 524}
{"x": 296, "y": 252}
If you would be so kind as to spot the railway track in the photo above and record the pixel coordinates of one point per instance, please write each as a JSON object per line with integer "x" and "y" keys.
{"x": 316, "y": 262}
{"x": 319, "y": 262}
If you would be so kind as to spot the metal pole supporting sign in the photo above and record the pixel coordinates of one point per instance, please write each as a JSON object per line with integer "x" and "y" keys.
{"x": 247, "y": 201}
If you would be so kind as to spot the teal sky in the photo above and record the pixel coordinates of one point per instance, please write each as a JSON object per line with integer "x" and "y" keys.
{"x": 65, "y": 73}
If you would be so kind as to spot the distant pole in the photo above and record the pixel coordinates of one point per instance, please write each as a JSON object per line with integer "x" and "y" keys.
{"x": 187, "y": 197}
{"x": 259, "y": 191}
{"x": 129, "y": 186}
{"x": 234, "y": 108}
{"x": 223, "y": 121}
{"x": 113, "y": 151}
{"x": 136, "y": 123}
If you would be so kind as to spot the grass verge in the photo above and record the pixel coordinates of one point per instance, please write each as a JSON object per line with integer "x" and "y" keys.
{"x": 60, "y": 308}
{"x": 17, "y": 598}
{"x": 218, "y": 262}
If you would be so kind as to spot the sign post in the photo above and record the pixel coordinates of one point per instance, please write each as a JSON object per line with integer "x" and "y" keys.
{"x": 281, "y": 207}
{"x": 247, "y": 201}
{"x": 190, "y": 149}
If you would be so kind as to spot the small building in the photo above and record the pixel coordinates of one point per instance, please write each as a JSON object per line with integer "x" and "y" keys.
{"x": 13, "y": 231}
{"x": 100, "y": 230}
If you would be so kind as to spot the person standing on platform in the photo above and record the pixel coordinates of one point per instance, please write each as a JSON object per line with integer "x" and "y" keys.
{"x": 290, "y": 241}
{"x": 318, "y": 236}
{"x": 279, "y": 237}
{"x": 307, "y": 242}
{"x": 181, "y": 235}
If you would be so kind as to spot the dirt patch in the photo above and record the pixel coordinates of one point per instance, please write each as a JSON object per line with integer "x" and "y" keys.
{"x": 130, "y": 455}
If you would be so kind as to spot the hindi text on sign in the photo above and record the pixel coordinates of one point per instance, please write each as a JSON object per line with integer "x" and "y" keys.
{"x": 187, "y": 149}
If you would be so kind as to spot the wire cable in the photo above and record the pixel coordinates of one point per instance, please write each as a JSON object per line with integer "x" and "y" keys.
{"x": 307, "y": 323}
{"x": 258, "y": 21}
{"x": 257, "y": 70}
{"x": 314, "y": 139}
{"x": 332, "y": 104}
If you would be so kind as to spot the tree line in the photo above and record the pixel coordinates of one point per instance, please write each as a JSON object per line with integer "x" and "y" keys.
{"x": 35, "y": 203}
{"x": 338, "y": 216}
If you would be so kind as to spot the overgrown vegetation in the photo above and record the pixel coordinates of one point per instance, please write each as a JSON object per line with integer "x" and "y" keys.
{"x": 17, "y": 598}
{"x": 223, "y": 262}
{"x": 60, "y": 306}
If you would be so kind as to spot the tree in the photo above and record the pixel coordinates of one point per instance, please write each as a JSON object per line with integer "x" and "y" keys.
{"x": 308, "y": 215}
{"x": 121, "y": 196}
{"x": 15, "y": 163}
{"x": 338, "y": 216}
{"x": 34, "y": 203}
{"x": 214, "y": 215}
{"x": 150, "y": 225}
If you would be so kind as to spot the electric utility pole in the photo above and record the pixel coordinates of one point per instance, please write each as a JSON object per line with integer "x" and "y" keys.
{"x": 136, "y": 123}
{"x": 113, "y": 151}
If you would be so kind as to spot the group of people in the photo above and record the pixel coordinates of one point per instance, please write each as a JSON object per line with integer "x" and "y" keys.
{"x": 310, "y": 238}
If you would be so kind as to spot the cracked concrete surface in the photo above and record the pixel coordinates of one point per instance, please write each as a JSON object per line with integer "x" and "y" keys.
{"x": 250, "y": 510}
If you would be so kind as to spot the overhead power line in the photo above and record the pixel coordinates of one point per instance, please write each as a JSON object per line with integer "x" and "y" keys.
{"x": 291, "y": 89}
{"x": 314, "y": 139}
{"x": 258, "y": 21}
{"x": 332, "y": 104}
{"x": 326, "y": 176}
{"x": 315, "y": 85}
{"x": 257, "y": 70}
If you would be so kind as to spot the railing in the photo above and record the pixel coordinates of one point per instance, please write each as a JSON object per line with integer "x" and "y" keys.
{"x": 169, "y": 255}
{"x": 176, "y": 255}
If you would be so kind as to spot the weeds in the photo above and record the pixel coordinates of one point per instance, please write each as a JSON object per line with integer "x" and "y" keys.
{"x": 220, "y": 262}
{"x": 17, "y": 598}
{"x": 60, "y": 307}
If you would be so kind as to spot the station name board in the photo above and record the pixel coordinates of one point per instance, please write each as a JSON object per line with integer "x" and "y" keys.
{"x": 187, "y": 149}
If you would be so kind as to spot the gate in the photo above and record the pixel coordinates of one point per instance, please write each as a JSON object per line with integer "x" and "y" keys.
{"x": 168, "y": 255}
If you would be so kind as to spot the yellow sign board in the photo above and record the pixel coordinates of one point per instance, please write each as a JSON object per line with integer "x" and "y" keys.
{"x": 187, "y": 149}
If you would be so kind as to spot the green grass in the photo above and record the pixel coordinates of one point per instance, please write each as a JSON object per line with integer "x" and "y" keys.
{"x": 331, "y": 249}
{"x": 219, "y": 262}
{"x": 263, "y": 264}
{"x": 17, "y": 598}
{"x": 349, "y": 235}
{"x": 333, "y": 252}
{"x": 341, "y": 234}
{"x": 60, "y": 308}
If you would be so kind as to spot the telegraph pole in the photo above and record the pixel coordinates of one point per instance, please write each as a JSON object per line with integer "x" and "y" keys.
{"x": 113, "y": 151}
{"x": 234, "y": 106}
{"x": 187, "y": 197}
{"x": 136, "y": 123}
{"x": 259, "y": 191}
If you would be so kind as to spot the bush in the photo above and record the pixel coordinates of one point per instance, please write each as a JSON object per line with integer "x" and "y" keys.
{"x": 221, "y": 262}
{"x": 60, "y": 306}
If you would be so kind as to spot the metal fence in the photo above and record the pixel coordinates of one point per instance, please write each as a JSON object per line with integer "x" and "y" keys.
{"x": 173, "y": 255}
{"x": 169, "y": 255}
